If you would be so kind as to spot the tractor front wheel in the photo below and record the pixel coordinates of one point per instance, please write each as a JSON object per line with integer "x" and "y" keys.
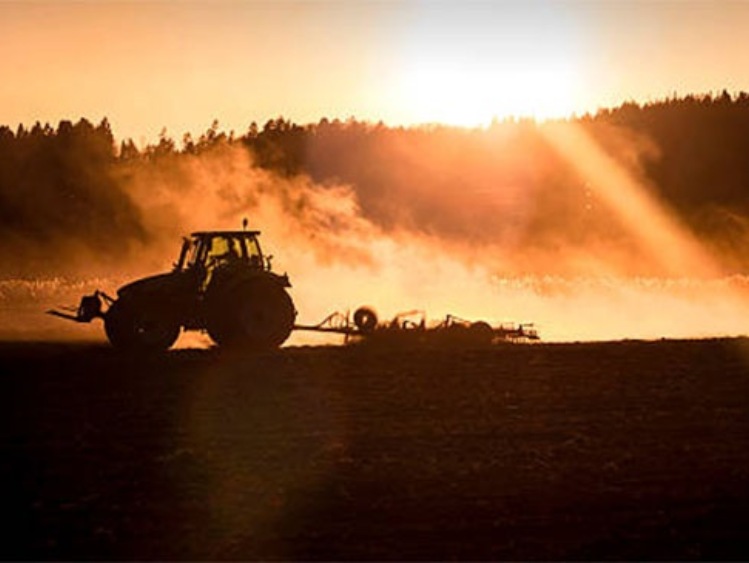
{"x": 138, "y": 328}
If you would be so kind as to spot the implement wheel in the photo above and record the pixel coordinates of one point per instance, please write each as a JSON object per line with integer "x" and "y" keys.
{"x": 365, "y": 319}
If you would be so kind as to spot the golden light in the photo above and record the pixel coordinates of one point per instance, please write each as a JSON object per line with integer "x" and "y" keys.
{"x": 468, "y": 66}
{"x": 659, "y": 231}
{"x": 471, "y": 95}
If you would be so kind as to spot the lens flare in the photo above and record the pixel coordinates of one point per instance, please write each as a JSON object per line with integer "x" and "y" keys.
{"x": 658, "y": 231}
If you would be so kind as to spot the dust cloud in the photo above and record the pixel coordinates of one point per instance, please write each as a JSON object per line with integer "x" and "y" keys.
{"x": 339, "y": 259}
{"x": 590, "y": 271}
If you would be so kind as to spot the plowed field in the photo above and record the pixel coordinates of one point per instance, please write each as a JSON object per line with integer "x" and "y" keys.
{"x": 616, "y": 450}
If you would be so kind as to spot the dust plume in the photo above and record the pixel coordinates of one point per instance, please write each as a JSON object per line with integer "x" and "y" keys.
{"x": 338, "y": 258}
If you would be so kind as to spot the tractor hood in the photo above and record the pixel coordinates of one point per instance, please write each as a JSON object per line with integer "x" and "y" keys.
{"x": 152, "y": 285}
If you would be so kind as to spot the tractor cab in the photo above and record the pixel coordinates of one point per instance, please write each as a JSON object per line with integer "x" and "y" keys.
{"x": 206, "y": 251}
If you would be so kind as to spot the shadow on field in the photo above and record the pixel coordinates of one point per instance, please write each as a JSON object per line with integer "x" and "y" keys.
{"x": 625, "y": 450}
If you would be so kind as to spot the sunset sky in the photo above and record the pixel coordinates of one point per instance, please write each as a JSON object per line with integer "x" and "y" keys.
{"x": 149, "y": 65}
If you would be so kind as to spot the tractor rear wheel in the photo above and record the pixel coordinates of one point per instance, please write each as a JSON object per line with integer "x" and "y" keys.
{"x": 256, "y": 315}
{"x": 138, "y": 328}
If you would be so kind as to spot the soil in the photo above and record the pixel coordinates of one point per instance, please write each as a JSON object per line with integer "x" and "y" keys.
{"x": 615, "y": 450}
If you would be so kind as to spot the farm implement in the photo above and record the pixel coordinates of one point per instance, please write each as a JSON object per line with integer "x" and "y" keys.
{"x": 412, "y": 327}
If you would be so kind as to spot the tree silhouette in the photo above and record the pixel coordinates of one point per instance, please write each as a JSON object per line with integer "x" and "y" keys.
{"x": 501, "y": 185}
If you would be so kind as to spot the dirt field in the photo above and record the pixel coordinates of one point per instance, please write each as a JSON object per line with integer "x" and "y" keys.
{"x": 625, "y": 450}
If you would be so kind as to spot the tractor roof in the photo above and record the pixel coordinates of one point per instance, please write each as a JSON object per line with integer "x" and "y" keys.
{"x": 224, "y": 233}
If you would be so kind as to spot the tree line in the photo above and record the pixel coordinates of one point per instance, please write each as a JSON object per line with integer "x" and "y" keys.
{"x": 67, "y": 185}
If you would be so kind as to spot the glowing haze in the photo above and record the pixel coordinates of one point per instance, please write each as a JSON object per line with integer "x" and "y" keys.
{"x": 179, "y": 65}
{"x": 147, "y": 66}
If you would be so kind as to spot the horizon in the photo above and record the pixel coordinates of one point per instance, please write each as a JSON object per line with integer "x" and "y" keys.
{"x": 178, "y": 136}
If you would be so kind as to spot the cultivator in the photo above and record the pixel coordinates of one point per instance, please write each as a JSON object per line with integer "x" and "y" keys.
{"x": 413, "y": 327}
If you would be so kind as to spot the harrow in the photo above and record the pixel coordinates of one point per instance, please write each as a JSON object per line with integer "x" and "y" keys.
{"x": 413, "y": 327}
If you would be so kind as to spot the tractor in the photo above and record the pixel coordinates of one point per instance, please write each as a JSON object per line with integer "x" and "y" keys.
{"x": 221, "y": 283}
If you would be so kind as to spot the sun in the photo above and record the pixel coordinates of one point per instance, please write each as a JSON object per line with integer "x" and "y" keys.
{"x": 468, "y": 65}
{"x": 473, "y": 94}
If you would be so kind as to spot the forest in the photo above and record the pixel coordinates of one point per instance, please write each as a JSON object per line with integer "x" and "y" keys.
{"x": 73, "y": 194}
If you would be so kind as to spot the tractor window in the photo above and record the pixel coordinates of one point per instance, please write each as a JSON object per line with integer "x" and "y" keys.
{"x": 224, "y": 250}
{"x": 253, "y": 249}
{"x": 189, "y": 255}
{"x": 219, "y": 247}
{"x": 254, "y": 255}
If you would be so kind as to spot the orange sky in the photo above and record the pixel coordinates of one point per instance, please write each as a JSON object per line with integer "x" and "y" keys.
{"x": 148, "y": 65}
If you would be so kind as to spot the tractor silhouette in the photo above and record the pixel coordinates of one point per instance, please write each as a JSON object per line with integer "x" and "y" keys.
{"x": 221, "y": 283}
